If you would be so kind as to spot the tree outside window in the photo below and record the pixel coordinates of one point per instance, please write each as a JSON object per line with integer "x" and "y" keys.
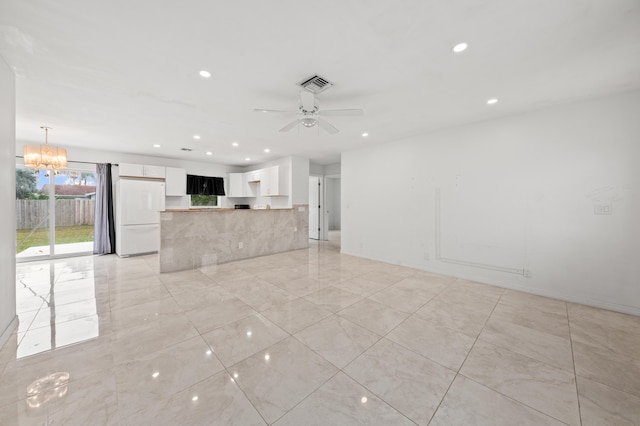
{"x": 204, "y": 200}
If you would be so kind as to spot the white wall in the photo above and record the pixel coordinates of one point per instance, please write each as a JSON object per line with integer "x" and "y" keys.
{"x": 332, "y": 169}
{"x": 323, "y": 170}
{"x": 299, "y": 180}
{"x": 8, "y": 318}
{"x": 316, "y": 169}
{"x": 518, "y": 195}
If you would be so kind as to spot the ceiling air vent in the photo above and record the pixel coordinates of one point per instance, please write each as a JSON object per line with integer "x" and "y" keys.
{"x": 186, "y": 149}
{"x": 315, "y": 84}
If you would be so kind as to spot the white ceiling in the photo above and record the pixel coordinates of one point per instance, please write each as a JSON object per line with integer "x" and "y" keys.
{"x": 122, "y": 75}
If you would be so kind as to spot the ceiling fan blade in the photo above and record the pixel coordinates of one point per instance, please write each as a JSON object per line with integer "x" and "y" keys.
{"x": 289, "y": 126}
{"x": 341, "y": 112}
{"x": 307, "y": 100}
{"x": 273, "y": 110}
{"x": 328, "y": 127}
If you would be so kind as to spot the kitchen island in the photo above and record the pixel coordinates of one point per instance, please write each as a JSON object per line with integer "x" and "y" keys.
{"x": 191, "y": 238}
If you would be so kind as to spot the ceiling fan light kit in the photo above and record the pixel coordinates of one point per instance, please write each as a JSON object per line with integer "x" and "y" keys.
{"x": 309, "y": 112}
{"x": 308, "y": 122}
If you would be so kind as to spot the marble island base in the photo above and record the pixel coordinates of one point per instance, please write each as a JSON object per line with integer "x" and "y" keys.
{"x": 190, "y": 239}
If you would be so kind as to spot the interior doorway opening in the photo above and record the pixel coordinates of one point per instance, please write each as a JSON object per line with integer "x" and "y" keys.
{"x": 324, "y": 208}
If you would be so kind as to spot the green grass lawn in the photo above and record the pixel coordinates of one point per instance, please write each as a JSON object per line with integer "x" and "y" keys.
{"x": 64, "y": 235}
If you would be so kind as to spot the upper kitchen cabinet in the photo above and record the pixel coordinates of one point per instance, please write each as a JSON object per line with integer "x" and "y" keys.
{"x": 249, "y": 189}
{"x": 236, "y": 185}
{"x": 176, "y": 182}
{"x": 255, "y": 176}
{"x": 240, "y": 186}
{"x": 274, "y": 182}
{"x": 139, "y": 170}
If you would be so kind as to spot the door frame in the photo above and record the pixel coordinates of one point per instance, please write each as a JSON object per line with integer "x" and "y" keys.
{"x": 320, "y": 206}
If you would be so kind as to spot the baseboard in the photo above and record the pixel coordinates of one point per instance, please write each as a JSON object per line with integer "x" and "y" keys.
{"x": 6, "y": 333}
{"x": 625, "y": 309}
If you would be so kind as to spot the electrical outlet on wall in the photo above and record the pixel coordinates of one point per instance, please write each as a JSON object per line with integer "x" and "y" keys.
{"x": 603, "y": 208}
{"x": 240, "y": 245}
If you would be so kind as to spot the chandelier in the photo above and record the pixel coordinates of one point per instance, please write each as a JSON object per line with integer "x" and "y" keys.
{"x": 44, "y": 156}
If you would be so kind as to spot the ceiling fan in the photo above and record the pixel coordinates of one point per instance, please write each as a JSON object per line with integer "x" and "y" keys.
{"x": 310, "y": 115}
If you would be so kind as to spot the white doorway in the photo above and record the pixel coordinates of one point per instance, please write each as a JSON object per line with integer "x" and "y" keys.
{"x": 315, "y": 205}
{"x": 332, "y": 186}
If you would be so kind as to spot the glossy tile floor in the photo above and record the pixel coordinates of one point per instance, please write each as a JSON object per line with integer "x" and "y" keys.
{"x": 306, "y": 337}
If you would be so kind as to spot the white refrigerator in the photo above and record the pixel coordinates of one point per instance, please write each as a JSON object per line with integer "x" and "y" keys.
{"x": 138, "y": 203}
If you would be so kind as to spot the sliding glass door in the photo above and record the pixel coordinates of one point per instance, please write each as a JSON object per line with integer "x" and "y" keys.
{"x": 33, "y": 239}
{"x": 54, "y": 212}
{"x": 75, "y": 203}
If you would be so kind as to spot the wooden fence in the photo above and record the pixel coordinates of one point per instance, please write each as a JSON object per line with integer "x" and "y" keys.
{"x": 34, "y": 213}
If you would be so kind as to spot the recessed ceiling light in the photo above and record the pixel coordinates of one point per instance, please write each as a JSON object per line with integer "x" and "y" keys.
{"x": 492, "y": 101}
{"x": 209, "y": 153}
{"x": 267, "y": 150}
{"x": 235, "y": 144}
{"x": 205, "y": 74}
{"x": 155, "y": 145}
{"x": 247, "y": 159}
{"x": 365, "y": 134}
{"x": 460, "y": 47}
{"x": 196, "y": 137}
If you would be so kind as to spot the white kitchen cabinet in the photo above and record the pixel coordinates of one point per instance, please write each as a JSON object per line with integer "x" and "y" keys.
{"x": 154, "y": 172}
{"x": 241, "y": 186}
{"x": 140, "y": 170}
{"x": 250, "y": 189}
{"x": 135, "y": 170}
{"x": 236, "y": 185}
{"x": 274, "y": 182}
{"x": 254, "y": 176}
{"x": 175, "y": 182}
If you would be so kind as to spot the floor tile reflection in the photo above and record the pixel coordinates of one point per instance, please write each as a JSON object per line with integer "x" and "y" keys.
{"x": 57, "y": 304}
